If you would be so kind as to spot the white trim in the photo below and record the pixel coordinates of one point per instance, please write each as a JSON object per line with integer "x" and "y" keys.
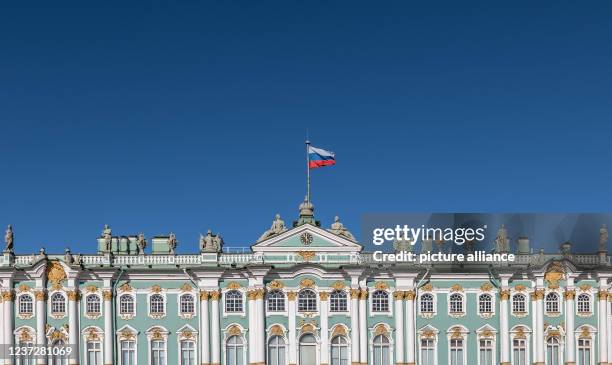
{"x": 435, "y": 304}
{"x": 191, "y": 315}
{"x": 593, "y": 332}
{"x": 181, "y": 338}
{"x": 226, "y": 336}
{"x": 50, "y": 304}
{"x": 157, "y": 316}
{"x": 479, "y": 337}
{"x": 388, "y": 313}
{"x": 559, "y": 303}
{"x": 486, "y": 315}
{"x": 100, "y": 301}
{"x": 527, "y": 304}
{"x": 464, "y": 338}
{"x": 527, "y": 339}
{"x": 435, "y": 340}
{"x": 126, "y": 317}
{"x": 120, "y": 339}
{"x": 240, "y": 290}
{"x": 283, "y": 336}
{"x": 18, "y": 305}
{"x": 388, "y": 335}
{"x": 463, "y": 311}
{"x": 149, "y": 333}
{"x": 317, "y": 345}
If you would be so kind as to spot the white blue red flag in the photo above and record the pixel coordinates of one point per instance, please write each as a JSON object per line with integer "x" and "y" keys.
{"x": 318, "y": 157}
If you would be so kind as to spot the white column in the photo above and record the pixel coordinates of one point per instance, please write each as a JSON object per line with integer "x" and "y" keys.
{"x": 398, "y": 298}
{"x": 570, "y": 344}
{"x": 73, "y": 325}
{"x": 503, "y": 326}
{"x": 215, "y": 328}
{"x": 204, "y": 328}
{"x": 41, "y": 321}
{"x": 609, "y": 325}
{"x": 108, "y": 326}
{"x": 8, "y": 297}
{"x": 292, "y": 329}
{"x": 252, "y": 316}
{"x": 260, "y": 334}
{"x": 410, "y": 327}
{"x": 355, "y": 326}
{"x": 324, "y": 329}
{"x": 539, "y": 295}
{"x": 602, "y": 317}
{"x": 363, "y": 326}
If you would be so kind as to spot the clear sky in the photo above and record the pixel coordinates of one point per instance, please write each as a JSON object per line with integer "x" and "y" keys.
{"x": 184, "y": 116}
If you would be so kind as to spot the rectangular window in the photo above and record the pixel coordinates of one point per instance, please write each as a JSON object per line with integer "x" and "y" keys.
{"x": 427, "y": 352}
{"x": 456, "y": 352}
{"x": 94, "y": 353}
{"x": 158, "y": 355}
{"x": 128, "y": 353}
{"x": 486, "y": 352}
{"x": 519, "y": 352}
{"x": 187, "y": 353}
{"x": 584, "y": 352}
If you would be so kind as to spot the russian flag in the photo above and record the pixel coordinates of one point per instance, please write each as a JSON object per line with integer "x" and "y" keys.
{"x": 318, "y": 157}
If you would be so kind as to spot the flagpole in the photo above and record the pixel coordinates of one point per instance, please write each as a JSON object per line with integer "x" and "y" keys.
{"x": 307, "y": 172}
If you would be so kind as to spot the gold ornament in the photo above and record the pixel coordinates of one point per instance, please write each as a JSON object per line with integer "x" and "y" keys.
{"x": 23, "y": 288}
{"x": 186, "y": 288}
{"x": 275, "y": 285}
{"x": 307, "y": 283}
{"x": 307, "y": 255}
{"x": 410, "y": 295}
{"x": 215, "y": 295}
{"x": 204, "y": 295}
{"x": 276, "y": 330}
{"x": 55, "y": 272}
{"x": 291, "y": 295}
{"x": 308, "y": 328}
{"x": 380, "y": 330}
{"x": 486, "y": 287}
{"x": 339, "y": 331}
{"x": 354, "y": 293}
{"x": 107, "y": 295}
{"x": 363, "y": 294}
{"x": 323, "y": 295}
{"x": 585, "y": 287}
{"x": 338, "y": 285}
{"x": 504, "y": 294}
{"x": 569, "y": 294}
{"x": 456, "y": 288}
{"x": 73, "y": 295}
{"x": 234, "y": 330}
{"x": 156, "y": 289}
{"x": 232, "y": 285}
{"x": 91, "y": 289}
{"x": 125, "y": 288}
{"x": 40, "y": 295}
{"x": 381, "y": 285}
{"x": 398, "y": 295}
{"x": 427, "y": 287}
{"x": 520, "y": 287}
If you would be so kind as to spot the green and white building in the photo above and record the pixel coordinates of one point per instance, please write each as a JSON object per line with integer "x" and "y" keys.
{"x": 304, "y": 295}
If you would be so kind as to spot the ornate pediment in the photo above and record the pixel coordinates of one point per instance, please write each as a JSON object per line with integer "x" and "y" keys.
{"x": 306, "y": 238}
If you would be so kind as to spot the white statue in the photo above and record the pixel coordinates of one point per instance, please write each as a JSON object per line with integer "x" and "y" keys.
{"x": 210, "y": 242}
{"x": 306, "y": 207}
{"x": 142, "y": 243}
{"x": 338, "y": 228}
{"x": 501, "y": 241}
{"x": 107, "y": 234}
{"x": 278, "y": 226}
{"x": 603, "y": 237}
{"x": 68, "y": 257}
{"x": 172, "y": 242}
{"x": 8, "y": 239}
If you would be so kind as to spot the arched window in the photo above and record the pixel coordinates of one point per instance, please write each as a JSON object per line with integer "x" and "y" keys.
{"x": 234, "y": 351}
{"x": 158, "y": 352}
{"x": 552, "y": 303}
{"x": 92, "y": 305}
{"x": 308, "y": 350}
{"x": 126, "y": 304}
{"x": 339, "y": 351}
{"x": 552, "y": 351}
{"x": 94, "y": 352}
{"x": 519, "y": 351}
{"x": 58, "y": 304}
{"x": 187, "y": 304}
{"x": 233, "y": 301}
{"x": 380, "y": 301}
{"x": 381, "y": 350}
{"x": 485, "y": 303}
{"x": 157, "y": 304}
{"x": 518, "y": 304}
{"x": 276, "y": 301}
{"x": 584, "y": 351}
{"x": 583, "y": 303}
{"x": 276, "y": 351}
{"x": 26, "y": 305}
{"x": 188, "y": 353}
{"x": 307, "y": 301}
{"x": 128, "y": 352}
{"x": 455, "y": 303}
{"x": 427, "y": 303}
{"x": 338, "y": 301}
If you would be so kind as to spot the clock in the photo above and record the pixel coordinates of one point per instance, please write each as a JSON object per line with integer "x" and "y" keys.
{"x": 306, "y": 238}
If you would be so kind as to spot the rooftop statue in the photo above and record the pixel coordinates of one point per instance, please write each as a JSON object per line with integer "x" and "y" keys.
{"x": 338, "y": 228}
{"x": 211, "y": 242}
{"x": 502, "y": 243}
{"x": 107, "y": 234}
{"x": 8, "y": 239}
{"x": 403, "y": 245}
{"x": 306, "y": 208}
{"x": 141, "y": 243}
{"x": 68, "y": 257}
{"x": 172, "y": 242}
{"x": 278, "y": 226}
{"x": 603, "y": 237}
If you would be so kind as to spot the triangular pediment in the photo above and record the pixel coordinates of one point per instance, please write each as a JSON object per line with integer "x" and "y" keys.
{"x": 305, "y": 238}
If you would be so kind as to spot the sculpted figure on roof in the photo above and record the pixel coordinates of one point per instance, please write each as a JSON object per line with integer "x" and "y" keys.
{"x": 338, "y": 228}
{"x": 278, "y": 226}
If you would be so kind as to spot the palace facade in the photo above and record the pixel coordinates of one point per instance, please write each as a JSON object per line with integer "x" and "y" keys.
{"x": 304, "y": 295}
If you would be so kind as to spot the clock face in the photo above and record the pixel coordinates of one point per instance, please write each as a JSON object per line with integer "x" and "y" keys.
{"x": 306, "y": 238}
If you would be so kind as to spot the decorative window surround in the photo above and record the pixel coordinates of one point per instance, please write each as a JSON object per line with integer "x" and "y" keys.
{"x": 182, "y": 303}
{"x": 126, "y": 315}
{"x": 373, "y": 296}
{"x": 28, "y": 306}
{"x": 57, "y": 314}
{"x": 157, "y": 333}
{"x": 520, "y": 332}
{"x": 513, "y": 305}
{"x": 242, "y": 292}
{"x": 157, "y": 290}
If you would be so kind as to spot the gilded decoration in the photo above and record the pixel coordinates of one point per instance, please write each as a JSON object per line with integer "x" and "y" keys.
{"x": 553, "y": 333}
{"x": 380, "y": 330}
{"x": 520, "y": 333}
{"x": 157, "y": 334}
{"x": 56, "y": 286}
{"x": 504, "y": 294}
{"x": 554, "y": 273}
{"x": 354, "y": 293}
{"x": 398, "y": 295}
{"x": 307, "y": 283}
{"x": 585, "y": 287}
{"x": 520, "y": 287}
{"x": 307, "y": 255}
{"x": 234, "y": 330}
{"x": 456, "y": 288}
{"x": 275, "y": 285}
{"x": 187, "y": 335}
{"x": 156, "y": 289}
{"x": 487, "y": 333}
{"x": 92, "y": 335}
{"x": 215, "y": 295}
{"x": 291, "y": 295}
{"x": 73, "y": 295}
{"x": 107, "y": 295}
{"x": 381, "y": 285}
{"x": 427, "y": 287}
{"x": 125, "y": 288}
{"x": 602, "y": 294}
{"x": 57, "y": 335}
{"x": 456, "y": 332}
{"x": 186, "y": 288}
{"x": 486, "y": 287}
{"x": 23, "y": 288}
{"x": 8, "y": 295}
{"x": 308, "y": 328}
{"x": 91, "y": 288}
{"x": 586, "y": 333}
{"x": 339, "y": 331}
{"x": 232, "y": 285}
{"x": 25, "y": 335}
{"x": 363, "y": 294}
{"x": 55, "y": 272}
{"x": 569, "y": 294}
{"x": 409, "y": 294}
{"x": 428, "y": 334}
{"x": 126, "y": 334}
{"x": 204, "y": 295}
{"x": 276, "y": 330}
{"x": 323, "y": 295}
{"x": 338, "y": 285}
{"x": 40, "y": 295}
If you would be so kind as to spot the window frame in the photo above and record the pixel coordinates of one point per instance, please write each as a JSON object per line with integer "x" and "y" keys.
{"x": 156, "y": 315}
{"x": 338, "y": 296}
{"x": 589, "y": 302}
{"x": 314, "y": 300}
{"x": 374, "y": 300}
{"x": 180, "y": 302}
{"x": 239, "y": 296}
{"x": 89, "y": 314}
{"x": 32, "y": 304}
{"x": 275, "y": 297}
{"x": 549, "y": 304}
{"x": 128, "y": 315}
{"x": 459, "y": 313}
{"x": 519, "y": 314}
{"x": 433, "y": 305}
{"x": 57, "y": 314}
{"x": 491, "y": 303}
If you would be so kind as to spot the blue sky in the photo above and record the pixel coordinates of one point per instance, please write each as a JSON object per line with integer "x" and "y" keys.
{"x": 187, "y": 116}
